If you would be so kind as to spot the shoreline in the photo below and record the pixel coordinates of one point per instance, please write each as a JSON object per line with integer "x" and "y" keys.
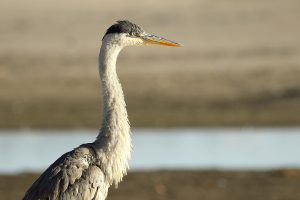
{"x": 193, "y": 184}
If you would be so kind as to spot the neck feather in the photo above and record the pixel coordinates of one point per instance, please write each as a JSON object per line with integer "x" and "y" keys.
{"x": 113, "y": 144}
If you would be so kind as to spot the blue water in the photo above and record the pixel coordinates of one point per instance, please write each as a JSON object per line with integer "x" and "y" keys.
{"x": 219, "y": 148}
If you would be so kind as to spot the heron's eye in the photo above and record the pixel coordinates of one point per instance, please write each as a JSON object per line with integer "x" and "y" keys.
{"x": 132, "y": 34}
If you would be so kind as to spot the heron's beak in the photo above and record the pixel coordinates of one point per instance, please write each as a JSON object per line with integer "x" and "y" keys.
{"x": 155, "y": 40}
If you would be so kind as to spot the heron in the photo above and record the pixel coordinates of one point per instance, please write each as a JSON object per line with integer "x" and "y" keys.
{"x": 86, "y": 172}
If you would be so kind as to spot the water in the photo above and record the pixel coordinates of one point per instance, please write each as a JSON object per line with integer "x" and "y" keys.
{"x": 219, "y": 148}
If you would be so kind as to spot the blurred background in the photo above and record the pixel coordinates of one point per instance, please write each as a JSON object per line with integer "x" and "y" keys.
{"x": 239, "y": 70}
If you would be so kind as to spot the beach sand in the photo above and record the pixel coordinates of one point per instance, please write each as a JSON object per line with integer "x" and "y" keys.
{"x": 240, "y": 64}
{"x": 206, "y": 185}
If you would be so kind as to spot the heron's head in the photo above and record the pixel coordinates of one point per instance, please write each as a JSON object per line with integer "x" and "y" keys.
{"x": 126, "y": 33}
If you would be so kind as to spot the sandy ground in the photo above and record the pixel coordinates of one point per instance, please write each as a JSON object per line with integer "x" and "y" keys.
{"x": 240, "y": 64}
{"x": 206, "y": 185}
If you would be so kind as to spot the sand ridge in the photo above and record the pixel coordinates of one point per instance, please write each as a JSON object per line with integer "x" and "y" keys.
{"x": 240, "y": 64}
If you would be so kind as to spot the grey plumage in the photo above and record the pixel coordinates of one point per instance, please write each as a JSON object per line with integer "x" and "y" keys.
{"x": 75, "y": 175}
{"x": 124, "y": 26}
{"x": 87, "y": 172}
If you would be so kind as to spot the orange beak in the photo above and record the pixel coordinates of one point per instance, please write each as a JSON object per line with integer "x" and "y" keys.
{"x": 155, "y": 40}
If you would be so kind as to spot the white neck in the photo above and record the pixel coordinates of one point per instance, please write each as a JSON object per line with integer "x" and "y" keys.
{"x": 113, "y": 144}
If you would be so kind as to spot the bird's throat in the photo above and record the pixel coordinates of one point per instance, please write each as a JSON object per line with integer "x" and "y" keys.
{"x": 113, "y": 144}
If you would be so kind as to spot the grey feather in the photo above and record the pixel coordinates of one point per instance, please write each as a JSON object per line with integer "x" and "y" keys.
{"x": 71, "y": 173}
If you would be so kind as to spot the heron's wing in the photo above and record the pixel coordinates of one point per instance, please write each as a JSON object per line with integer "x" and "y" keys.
{"x": 72, "y": 176}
